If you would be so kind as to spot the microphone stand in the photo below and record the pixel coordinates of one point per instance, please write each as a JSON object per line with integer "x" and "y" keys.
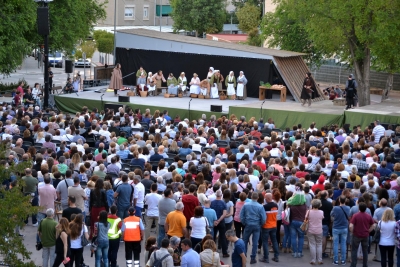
{"x": 102, "y": 106}
{"x": 189, "y": 107}
{"x": 261, "y": 109}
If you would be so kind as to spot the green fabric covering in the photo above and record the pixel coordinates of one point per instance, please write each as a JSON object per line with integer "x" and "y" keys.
{"x": 286, "y": 118}
{"x": 365, "y": 119}
{"x": 73, "y": 105}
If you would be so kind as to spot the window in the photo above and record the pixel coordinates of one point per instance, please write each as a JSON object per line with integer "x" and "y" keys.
{"x": 145, "y": 13}
{"x": 129, "y": 12}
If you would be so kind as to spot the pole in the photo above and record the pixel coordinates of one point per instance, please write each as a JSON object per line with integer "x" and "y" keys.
{"x": 84, "y": 65}
{"x": 46, "y": 68}
{"x": 231, "y": 22}
{"x": 160, "y": 13}
{"x": 115, "y": 30}
{"x": 155, "y": 12}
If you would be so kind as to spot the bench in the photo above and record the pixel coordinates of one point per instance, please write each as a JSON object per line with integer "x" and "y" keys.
{"x": 340, "y": 101}
{"x": 56, "y": 88}
{"x": 159, "y": 89}
{"x": 376, "y": 91}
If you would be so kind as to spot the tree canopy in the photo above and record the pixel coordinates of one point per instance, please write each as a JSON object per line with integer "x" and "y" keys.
{"x": 104, "y": 41}
{"x": 249, "y": 20}
{"x": 350, "y": 29}
{"x": 70, "y": 22}
{"x": 201, "y": 16}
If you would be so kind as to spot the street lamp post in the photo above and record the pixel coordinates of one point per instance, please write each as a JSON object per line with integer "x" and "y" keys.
{"x": 160, "y": 13}
{"x": 46, "y": 55}
{"x": 231, "y": 12}
{"x": 115, "y": 31}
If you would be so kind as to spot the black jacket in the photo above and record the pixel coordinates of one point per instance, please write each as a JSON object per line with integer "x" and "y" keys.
{"x": 98, "y": 201}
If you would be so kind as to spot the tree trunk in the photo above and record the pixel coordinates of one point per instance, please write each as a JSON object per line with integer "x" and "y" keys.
{"x": 362, "y": 68}
{"x": 388, "y": 87}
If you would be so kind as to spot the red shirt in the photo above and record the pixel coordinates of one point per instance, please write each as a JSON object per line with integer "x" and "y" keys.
{"x": 190, "y": 202}
{"x": 261, "y": 165}
{"x": 301, "y": 174}
{"x": 318, "y": 186}
{"x": 362, "y": 222}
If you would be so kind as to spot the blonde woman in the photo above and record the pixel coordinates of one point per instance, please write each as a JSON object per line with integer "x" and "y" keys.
{"x": 209, "y": 257}
{"x": 63, "y": 242}
{"x": 201, "y": 194}
{"x": 76, "y": 160}
{"x": 40, "y": 137}
{"x": 389, "y": 232}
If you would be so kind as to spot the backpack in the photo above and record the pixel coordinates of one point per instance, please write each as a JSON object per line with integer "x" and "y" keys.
{"x": 158, "y": 262}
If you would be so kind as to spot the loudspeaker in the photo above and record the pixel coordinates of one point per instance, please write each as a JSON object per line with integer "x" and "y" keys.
{"x": 123, "y": 98}
{"x": 43, "y": 25}
{"x": 216, "y": 108}
{"x": 69, "y": 66}
{"x": 113, "y": 106}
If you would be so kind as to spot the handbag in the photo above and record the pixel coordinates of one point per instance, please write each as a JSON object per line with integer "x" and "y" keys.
{"x": 377, "y": 236}
{"x": 208, "y": 229}
{"x": 84, "y": 241}
{"x": 304, "y": 225}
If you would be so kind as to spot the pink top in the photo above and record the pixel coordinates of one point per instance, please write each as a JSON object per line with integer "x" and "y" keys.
{"x": 315, "y": 221}
{"x": 195, "y": 81}
{"x": 47, "y": 196}
{"x": 239, "y": 205}
{"x": 215, "y": 176}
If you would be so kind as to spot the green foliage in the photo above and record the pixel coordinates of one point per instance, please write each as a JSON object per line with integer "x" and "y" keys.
{"x": 4, "y": 87}
{"x": 241, "y": 3}
{"x": 249, "y": 17}
{"x": 17, "y": 19}
{"x": 201, "y": 16}
{"x": 14, "y": 209}
{"x": 254, "y": 37}
{"x": 283, "y": 31}
{"x": 87, "y": 47}
{"x": 70, "y": 22}
{"x": 228, "y": 18}
{"x": 104, "y": 41}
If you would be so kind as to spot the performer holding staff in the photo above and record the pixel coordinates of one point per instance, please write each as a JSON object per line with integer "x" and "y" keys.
{"x": 241, "y": 86}
{"x": 172, "y": 84}
{"x": 116, "y": 79}
{"x": 230, "y": 83}
{"x": 182, "y": 81}
{"x": 151, "y": 84}
{"x": 309, "y": 91}
{"x": 195, "y": 84}
{"x": 139, "y": 73}
{"x": 216, "y": 84}
{"x": 141, "y": 84}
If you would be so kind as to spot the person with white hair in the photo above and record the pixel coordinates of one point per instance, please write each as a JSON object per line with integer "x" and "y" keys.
{"x": 182, "y": 82}
{"x": 47, "y": 234}
{"x": 160, "y": 184}
{"x": 104, "y": 132}
{"x": 241, "y": 92}
{"x": 195, "y": 84}
{"x": 175, "y": 222}
{"x": 151, "y": 84}
{"x": 230, "y": 83}
{"x": 138, "y": 195}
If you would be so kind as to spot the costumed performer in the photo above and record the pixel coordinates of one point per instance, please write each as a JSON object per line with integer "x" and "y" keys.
{"x": 151, "y": 84}
{"x": 195, "y": 84}
{"x": 116, "y": 79}
{"x": 241, "y": 91}
{"x": 158, "y": 78}
{"x": 204, "y": 87}
{"x": 182, "y": 81}
{"x": 172, "y": 84}
{"x": 141, "y": 84}
{"x": 216, "y": 84}
{"x": 230, "y": 83}
{"x": 139, "y": 73}
{"x": 309, "y": 91}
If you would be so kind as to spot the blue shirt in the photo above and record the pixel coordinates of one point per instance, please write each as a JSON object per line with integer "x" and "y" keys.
{"x": 211, "y": 216}
{"x": 123, "y": 154}
{"x": 191, "y": 258}
{"x": 339, "y": 214}
{"x": 124, "y": 191}
{"x": 238, "y": 249}
{"x": 253, "y": 213}
{"x": 219, "y": 206}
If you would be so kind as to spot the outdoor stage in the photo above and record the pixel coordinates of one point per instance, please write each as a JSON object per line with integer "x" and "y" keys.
{"x": 285, "y": 114}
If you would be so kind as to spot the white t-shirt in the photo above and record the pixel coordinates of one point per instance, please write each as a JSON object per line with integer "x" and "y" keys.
{"x": 198, "y": 227}
{"x": 254, "y": 181}
{"x": 76, "y": 243}
{"x": 139, "y": 194}
{"x": 387, "y": 233}
{"x": 152, "y": 200}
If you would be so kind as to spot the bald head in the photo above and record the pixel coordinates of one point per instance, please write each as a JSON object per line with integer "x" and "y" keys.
{"x": 268, "y": 197}
{"x": 383, "y": 202}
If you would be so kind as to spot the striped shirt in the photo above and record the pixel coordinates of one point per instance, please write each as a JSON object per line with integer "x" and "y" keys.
{"x": 378, "y": 131}
{"x": 271, "y": 212}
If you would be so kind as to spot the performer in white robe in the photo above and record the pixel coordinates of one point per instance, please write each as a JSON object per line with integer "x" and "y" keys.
{"x": 216, "y": 79}
{"x": 182, "y": 81}
{"x": 195, "y": 84}
{"x": 241, "y": 86}
{"x": 230, "y": 83}
{"x": 151, "y": 83}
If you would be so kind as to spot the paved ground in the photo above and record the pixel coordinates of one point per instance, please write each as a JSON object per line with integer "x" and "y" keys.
{"x": 285, "y": 259}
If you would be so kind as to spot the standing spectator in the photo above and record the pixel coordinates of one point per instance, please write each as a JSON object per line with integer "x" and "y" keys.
{"x": 190, "y": 202}
{"x": 378, "y": 131}
{"x": 77, "y": 229}
{"x": 123, "y": 195}
{"x": 340, "y": 217}
{"x": 63, "y": 242}
{"x": 239, "y": 249}
{"x": 138, "y": 195}
{"x": 114, "y": 235}
{"x": 77, "y": 191}
{"x": 161, "y": 254}
{"x": 210, "y": 256}
{"x": 152, "y": 213}
{"x": 297, "y": 216}
{"x": 62, "y": 189}
{"x": 315, "y": 216}
{"x": 219, "y": 225}
{"x": 190, "y": 257}
{"x": 72, "y": 209}
{"x": 326, "y": 207}
{"x": 236, "y": 218}
{"x": 101, "y": 233}
{"x": 47, "y": 234}
{"x": 387, "y": 241}
{"x": 210, "y": 214}
{"x": 133, "y": 233}
{"x": 175, "y": 222}
{"x": 98, "y": 203}
{"x": 30, "y": 189}
{"x": 361, "y": 224}
{"x": 397, "y": 238}
{"x": 165, "y": 206}
{"x": 198, "y": 224}
{"x": 47, "y": 196}
{"x": 253, "y": 218}
{"x": 269, "y": 229}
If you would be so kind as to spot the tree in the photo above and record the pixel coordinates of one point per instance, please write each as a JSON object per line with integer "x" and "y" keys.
{"x": 201, "y": 16}
{"x": 249, "y": 20}
{"x": 17, "y": 19}
{"x": 347, "y": 28}
{"x": 87, "y": 47}
{"x": 241, "y": 3}
{"x": 14, "y": 209}
{"x": 282, "y": 31}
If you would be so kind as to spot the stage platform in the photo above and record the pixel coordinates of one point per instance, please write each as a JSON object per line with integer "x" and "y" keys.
{"x": 285, "y": 114}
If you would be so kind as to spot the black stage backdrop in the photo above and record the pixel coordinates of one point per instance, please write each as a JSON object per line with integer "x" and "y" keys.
{"x": 254, "y": 69}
